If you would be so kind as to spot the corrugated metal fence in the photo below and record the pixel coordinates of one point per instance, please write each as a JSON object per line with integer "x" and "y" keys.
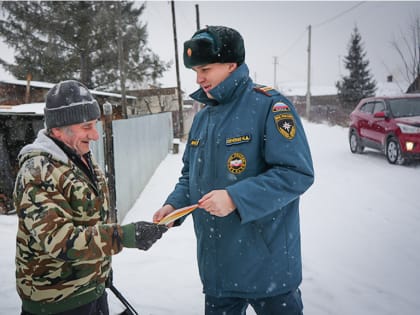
{"x": 140, "y": 144}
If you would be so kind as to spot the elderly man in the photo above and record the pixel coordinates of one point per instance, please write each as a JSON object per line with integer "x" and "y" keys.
{"x": 65, "y": 240}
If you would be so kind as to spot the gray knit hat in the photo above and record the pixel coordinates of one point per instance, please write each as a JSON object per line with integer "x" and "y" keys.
{"x": 68, "y": 103}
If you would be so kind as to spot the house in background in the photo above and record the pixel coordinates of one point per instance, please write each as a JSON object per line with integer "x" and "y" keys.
{"x": 16, "y": 92}
{"x": 154, "y": 100}
{"x": 158, "y": 100}
{"x": 414, "y": 86}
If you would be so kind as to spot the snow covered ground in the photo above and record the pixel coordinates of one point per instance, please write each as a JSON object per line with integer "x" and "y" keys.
{"x": 360, "y": 240}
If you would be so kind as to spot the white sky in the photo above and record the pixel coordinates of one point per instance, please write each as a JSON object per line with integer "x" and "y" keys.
{"x": 360, "y": 240}
{"x": 279, "y": 29}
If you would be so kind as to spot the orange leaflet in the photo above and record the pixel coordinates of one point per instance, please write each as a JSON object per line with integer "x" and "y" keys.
{"x": 179, "y": 213}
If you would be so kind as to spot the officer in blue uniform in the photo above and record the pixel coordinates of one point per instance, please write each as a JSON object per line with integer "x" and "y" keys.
{"x": 246, "y": 163}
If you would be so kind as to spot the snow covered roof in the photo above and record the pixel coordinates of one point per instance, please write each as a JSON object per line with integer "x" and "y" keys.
{"x": 33, "y": 109}
{"x": 390, "y": 88}
{"x": 300, "y": 88}
{"x": 47, "y": 85}
{"x": 38, "y": 84}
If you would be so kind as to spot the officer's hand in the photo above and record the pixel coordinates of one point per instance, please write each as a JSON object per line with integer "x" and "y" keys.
{"x": 217, "y": 202}
{"x": 148, "y": 233}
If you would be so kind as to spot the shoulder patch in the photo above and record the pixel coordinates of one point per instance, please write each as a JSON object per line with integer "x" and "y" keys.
{"x": 266, "y": 90}
{"x": 280, "y": 107}
{"x": 286, "y": 125}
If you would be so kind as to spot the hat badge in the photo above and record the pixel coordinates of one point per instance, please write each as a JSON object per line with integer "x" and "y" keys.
{"x": 189, "y": 52}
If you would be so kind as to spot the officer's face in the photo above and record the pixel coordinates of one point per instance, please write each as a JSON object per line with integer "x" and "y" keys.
{"x": 77, "y": 136}
{"x": 211, "y": 75}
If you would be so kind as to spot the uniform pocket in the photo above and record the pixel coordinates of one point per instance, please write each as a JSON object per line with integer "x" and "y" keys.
{"x": 260, "y": 242}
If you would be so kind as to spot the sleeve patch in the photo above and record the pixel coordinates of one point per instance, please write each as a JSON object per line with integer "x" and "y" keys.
{"x": 280, "y": 107}
{"x": 285, "y": 124}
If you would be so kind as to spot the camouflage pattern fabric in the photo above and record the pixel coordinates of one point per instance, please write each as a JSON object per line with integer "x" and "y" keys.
{"x": 64, "y": 241}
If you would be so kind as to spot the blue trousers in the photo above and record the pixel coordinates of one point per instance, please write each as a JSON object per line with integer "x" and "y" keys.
{"x": 285, "y": 304}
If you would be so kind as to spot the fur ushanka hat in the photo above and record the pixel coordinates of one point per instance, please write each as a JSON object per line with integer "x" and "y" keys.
{"x": 214, "y": 44}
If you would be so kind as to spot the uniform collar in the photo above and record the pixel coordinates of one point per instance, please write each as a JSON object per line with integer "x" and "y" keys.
{"x": 227, "y": 90}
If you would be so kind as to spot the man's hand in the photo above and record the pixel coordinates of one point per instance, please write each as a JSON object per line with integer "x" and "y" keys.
{"x": 163, "y": 212}
{"x": 217, "y": 202}
{"x": 148, "y": 233}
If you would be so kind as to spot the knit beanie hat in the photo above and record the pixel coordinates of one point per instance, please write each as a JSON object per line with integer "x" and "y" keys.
{"x": 214, "y": 44}
{"x": 68, "y": 103}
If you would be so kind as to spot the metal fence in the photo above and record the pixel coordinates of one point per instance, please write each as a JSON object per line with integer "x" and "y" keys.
{"x": 140, "y": 144}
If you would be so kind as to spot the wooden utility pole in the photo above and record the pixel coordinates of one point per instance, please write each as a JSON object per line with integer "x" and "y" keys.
{"x": 28, "y": 88}
{"x": 109, "y": 160}
{"x": 308, "y": 92}
{"x": 121, "y": 62}
{"x": 197, "y": 14}
{"x": 178, "y": 81}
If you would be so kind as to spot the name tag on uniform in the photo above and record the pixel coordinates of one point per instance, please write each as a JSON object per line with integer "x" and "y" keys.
{"x": 239, "y": 139}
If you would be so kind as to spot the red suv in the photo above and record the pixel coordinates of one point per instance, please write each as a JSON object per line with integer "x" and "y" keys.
{"x": 390, "y": 124}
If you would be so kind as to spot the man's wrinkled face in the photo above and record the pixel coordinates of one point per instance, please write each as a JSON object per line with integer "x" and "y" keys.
{"x": 211, "y": 75}
{"x": 77, "y": 136}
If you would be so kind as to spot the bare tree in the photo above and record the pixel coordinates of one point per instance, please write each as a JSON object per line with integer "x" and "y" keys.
{"x": 408, "y": 48}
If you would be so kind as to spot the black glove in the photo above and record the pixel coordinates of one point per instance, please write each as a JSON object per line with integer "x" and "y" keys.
{"x": 148, "y": 233}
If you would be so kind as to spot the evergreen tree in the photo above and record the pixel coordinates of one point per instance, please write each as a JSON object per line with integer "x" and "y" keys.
{"x": 59, "y": 40}
{"x": 359, "y": 83}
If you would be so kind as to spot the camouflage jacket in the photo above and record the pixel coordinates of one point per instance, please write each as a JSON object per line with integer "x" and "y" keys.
{"x": 64, "y": 239}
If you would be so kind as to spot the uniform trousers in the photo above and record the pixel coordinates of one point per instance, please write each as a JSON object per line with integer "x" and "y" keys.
{"x": 285, "y": 304}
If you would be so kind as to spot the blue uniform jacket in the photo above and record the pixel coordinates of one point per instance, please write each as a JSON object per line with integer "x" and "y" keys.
{"x": 251, "y": 142}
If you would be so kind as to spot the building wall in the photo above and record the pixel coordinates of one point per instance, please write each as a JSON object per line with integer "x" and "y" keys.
{"x": 154, "y": 104}
{"x": 16, "y": 94}
{"x": 153, "y": 101}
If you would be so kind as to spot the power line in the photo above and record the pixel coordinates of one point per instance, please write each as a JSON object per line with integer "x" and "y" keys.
{"x": 293, "y": 44}
{"x": 340, "y": 14}
{"x": 286, "y": 51}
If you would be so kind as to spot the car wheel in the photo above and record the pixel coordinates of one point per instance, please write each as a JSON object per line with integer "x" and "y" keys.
{"x": 355, "y": 146}
{"x": 393, "y": 152}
